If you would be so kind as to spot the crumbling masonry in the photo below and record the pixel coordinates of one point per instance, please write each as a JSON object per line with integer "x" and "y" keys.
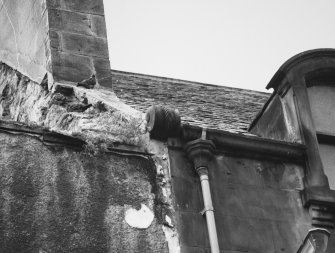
{"x": 207, "y": 169}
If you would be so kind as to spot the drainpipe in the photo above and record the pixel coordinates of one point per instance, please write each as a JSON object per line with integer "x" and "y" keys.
{"x": 209, "y": 211}
{"x": 200, "y": 151}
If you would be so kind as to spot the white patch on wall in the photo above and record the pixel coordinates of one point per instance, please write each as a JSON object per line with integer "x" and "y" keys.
{"x": 172, "y": 239}
{"x": 162, "y": 163}
{"x": 139, "y": 218}
{"x": 168, "y": 221}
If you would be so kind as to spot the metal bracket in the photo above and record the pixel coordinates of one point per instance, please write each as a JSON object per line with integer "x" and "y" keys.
{"x": 203, "y": 211}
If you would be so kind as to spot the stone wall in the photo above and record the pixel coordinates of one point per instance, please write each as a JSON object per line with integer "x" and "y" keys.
{"x": 64, "y": 38}
{"x": 110, "y": 195}
{"x": 24, "y": 41}
{"x": 257, "y": 203}
{"x": 78, "y": 40}
{"x": 92, "y": 114}
{"x": 58, "y": 199}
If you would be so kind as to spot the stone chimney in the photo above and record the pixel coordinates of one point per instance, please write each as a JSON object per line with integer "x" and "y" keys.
{"x": 65, "y": 38}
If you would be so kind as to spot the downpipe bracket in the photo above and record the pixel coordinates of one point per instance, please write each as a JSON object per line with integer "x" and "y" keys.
{"x": 206, "y": 209}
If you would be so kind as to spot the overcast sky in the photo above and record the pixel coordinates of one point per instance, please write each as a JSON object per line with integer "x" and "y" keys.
{"x": 238, "y": 43}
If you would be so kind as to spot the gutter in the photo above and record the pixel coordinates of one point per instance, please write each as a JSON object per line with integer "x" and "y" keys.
{"x": 243, "y": 145}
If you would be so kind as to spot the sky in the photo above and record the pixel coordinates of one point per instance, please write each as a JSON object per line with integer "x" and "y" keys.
{"x": 236, "y": 43}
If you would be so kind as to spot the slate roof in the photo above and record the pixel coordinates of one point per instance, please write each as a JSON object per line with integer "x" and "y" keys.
{"x": 206, "y": 105}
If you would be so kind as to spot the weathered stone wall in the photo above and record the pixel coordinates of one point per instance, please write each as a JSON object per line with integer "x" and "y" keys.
{"x": 111, "y": 196}
{"x": 65, "y": 38}
{"x": 78, "y": 40}
{"x": 94, "y": 115}
{"x": 278, "y": 119}
{"x": 257, "y": 204}
{"x": 24, "y": 36}
{"x": 55, "y": 199}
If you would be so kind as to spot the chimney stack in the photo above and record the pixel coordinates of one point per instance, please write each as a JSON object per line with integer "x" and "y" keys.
{"x": 65, "y": 38}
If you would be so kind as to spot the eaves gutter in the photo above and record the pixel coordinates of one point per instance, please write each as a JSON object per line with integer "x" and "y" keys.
{"x": 243, "y": 145}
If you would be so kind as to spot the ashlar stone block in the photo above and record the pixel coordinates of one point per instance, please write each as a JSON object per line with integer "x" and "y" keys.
{"x": 98, "y": 26}
{"x": 84, "y": 6}
{"x": 84, "y": 45}
{"x": 70, "y": 22}
{"x": 71, "y": 67}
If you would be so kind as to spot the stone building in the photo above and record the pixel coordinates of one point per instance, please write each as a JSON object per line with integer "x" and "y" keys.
{"x": 86, "y": 169}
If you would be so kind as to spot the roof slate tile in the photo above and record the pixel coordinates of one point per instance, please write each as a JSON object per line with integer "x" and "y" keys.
{"x": 205, "y": 105}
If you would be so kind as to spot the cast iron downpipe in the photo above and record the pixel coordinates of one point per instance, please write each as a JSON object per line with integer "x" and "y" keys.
{"x": 200, "y": 151}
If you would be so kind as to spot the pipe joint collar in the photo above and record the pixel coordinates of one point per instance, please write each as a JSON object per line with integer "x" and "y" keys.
{"x": 202, "y": 172}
